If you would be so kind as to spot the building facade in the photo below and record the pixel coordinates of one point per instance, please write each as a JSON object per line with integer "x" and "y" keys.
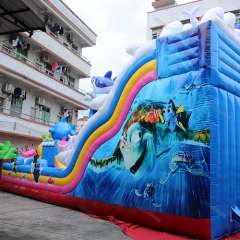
{"x": 167, "y": 11}
{"x": 40, "y": 71}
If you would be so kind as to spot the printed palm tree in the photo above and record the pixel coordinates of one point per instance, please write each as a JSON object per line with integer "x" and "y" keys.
{"x": 7, "y": 151}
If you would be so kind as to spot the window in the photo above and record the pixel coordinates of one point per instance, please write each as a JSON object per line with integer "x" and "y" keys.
{"x": 69, "y": 119}
{"x": 156, "y": 32}
{"x": 16, "y": 106}
{"x": 20, "y": 54}
{"x": 45, "y": 115}
{"x": 33, "y": 114}
{"x": 49, "y": 69}
{"x": 74, "y": 47}
{"x": 237, "y": 14}
{"x": 185, "y": 21}
{"x": 71, "y": 81}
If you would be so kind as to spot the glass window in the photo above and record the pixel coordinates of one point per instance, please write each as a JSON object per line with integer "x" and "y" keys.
{"x": 74, "y": 47}
{"x": 69, "y": 119}
{"x": 45, "y": 116}
{"x": 20, "y": 54}
{"x": 71, "y": 81}
{"x": 156, "y": 32}
{"x": 16, "y": 106}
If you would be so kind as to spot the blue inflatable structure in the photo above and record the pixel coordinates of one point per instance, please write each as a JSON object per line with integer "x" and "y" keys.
{"x": 163, "y": 149}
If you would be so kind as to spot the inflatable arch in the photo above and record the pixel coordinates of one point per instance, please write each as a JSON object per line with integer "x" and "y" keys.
{"x": 163, "y": 149}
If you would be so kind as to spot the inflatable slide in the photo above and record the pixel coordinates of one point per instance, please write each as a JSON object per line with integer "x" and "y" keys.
{"x": 163, "y": 149}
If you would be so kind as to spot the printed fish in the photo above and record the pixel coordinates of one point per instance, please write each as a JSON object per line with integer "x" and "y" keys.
{"x": 175, "y": 118}
{"x": 136, "y": 149}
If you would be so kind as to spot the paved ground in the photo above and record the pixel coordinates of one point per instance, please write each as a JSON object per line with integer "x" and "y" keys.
{"x": 23, "y": 218}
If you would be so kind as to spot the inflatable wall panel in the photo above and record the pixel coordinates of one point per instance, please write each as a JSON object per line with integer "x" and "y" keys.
{"x": 163, "y": 149}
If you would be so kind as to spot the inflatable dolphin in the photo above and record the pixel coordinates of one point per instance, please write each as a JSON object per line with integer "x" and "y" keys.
{"x": 101, "y": 87}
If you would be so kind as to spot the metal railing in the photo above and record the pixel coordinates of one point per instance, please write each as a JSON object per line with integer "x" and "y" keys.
{"x": 39, "y": 66}
{"x": 68, "y": 45}
{"x": 19, "y": 114}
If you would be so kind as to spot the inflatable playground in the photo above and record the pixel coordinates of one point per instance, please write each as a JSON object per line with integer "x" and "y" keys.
{"x": 161, "y": 147}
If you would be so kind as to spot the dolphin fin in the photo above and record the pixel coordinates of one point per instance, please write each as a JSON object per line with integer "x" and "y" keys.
{"x": 108, "y": 74}
{"x": 192, "y": 16}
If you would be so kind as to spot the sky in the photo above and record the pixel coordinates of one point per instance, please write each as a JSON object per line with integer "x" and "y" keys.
{"x": 116, "y": 24}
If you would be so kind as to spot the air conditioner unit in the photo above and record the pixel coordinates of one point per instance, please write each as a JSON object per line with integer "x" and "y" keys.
{"x": 40, "y": 101}
{"x": 70, "y": 38}
{"x": 49, "y": 20}
{"x": 45, "y": 58}
{"x": 68, "y": 72}
{"x": 8, "y": 88}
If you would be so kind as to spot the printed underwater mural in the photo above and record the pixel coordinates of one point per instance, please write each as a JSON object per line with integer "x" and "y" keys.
{"x": 161, "y": 156}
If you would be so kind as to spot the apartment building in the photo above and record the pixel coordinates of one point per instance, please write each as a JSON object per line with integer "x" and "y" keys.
{"x": 41, "y": 64}
{"x": 167, "y": 11}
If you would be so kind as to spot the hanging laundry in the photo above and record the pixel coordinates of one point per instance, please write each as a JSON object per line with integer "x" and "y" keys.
{"x": 54, "y": 66}
{"x": 20, "y": 42}
{"x": 58, "y": 28}
{"x": 24, "y": 46}
{"x": 54, "y": 28}
{"x": 65, "y": 112}
{"x": 61, "y": 31}
{"x": 59, "y": 69}
{"x": 24, "y": 95}
{"x": 17, "y": 93}
{"x": 15, "y": 42}
{"x": 64, "y": 69}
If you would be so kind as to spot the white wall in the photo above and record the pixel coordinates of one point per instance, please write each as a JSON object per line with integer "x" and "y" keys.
{"x": 168, "y": 15}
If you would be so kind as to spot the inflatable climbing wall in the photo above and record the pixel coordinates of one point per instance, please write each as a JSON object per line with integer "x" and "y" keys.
{"x": 163, "y": 150}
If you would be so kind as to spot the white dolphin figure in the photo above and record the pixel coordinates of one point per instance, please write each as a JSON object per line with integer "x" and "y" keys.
{"x": 63, "y": 150}
{"x": 172, "y": 28}
{"x": 192, "y": 16}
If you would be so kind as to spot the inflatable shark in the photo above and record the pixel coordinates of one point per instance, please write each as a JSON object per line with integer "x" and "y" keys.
{"x": 101, "y": 87}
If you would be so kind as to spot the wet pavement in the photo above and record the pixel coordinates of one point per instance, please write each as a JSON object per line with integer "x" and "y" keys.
{"x": 23, "y": 218}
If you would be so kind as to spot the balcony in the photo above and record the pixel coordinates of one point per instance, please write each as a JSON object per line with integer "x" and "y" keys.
{"x": 60, "y": 39}
{"x": 53, "y": 45}
{"x": 71, "y": 21}
{"x": 33, "y": 75}
{"x": 13, "y": 125}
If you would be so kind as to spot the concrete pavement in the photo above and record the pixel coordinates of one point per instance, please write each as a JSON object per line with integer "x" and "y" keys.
{"x": 23, "y": 218}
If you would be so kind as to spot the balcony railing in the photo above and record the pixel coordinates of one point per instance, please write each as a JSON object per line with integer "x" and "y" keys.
{"x": 39, "y": 66}
{"x": 19, "y": 114}
{"x": 68, "y": 45}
